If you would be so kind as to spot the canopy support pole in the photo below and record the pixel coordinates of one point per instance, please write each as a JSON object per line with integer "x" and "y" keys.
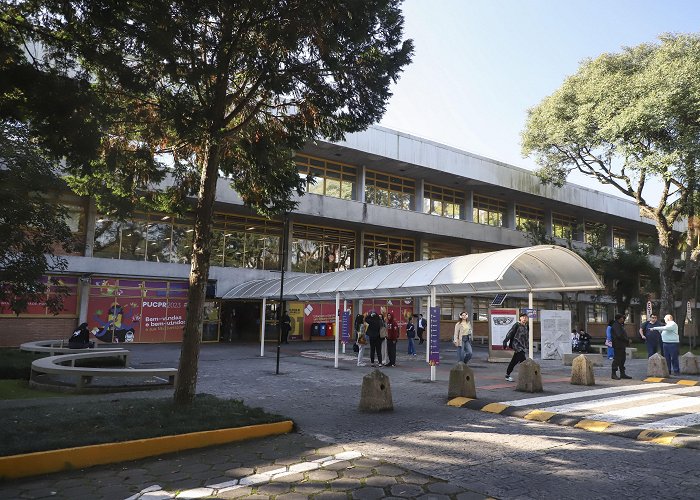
{"x": 262, "y": 327}
{"x": 336, "y": 331}
{"x": 433, "y": 301}
{"x": 530, "y": 324}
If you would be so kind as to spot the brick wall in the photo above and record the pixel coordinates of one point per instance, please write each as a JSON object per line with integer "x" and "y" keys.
{"x": 15, "y": 331}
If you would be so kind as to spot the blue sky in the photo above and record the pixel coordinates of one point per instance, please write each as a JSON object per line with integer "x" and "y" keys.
{"x": 480, "y": 64}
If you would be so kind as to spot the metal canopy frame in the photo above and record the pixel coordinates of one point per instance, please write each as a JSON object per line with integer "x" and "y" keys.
{"x": 542, "y": 268}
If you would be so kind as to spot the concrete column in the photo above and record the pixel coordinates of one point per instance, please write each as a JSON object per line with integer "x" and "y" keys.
{"x": 420, "y": 194}
{"x": 633, "y": 238}
{"x": 548, "y": 221}
{"x": 509, "y": 220}
{"x": 468, "y": 213}
{"x": 360, "y": 188}
{"x": 84, "y": 293}
{"x": 580, "y": 229}
{"x": 359, "y": 248}
{"x": 609, "y": 236}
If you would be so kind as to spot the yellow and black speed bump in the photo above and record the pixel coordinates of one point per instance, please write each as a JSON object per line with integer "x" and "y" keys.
{"x": 672, "y": 381}
{"x": 659, "y": 437}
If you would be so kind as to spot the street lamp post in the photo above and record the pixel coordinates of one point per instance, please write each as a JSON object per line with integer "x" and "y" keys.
{"x": 281, "y": 306}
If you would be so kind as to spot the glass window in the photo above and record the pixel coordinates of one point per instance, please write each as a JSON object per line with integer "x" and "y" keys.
{"x": 380, "y": 250}
{"x": 107, "y": 238}
{"x": 595, "y": 233}
{"x": 489, "y": 211}
{"x": 525, "y": 215}
{"x": 646, "y": 243}
{"x": 442, "y": 201}
{"x": 596, "y": 313}
{"x": 563, "y": 226}
{"x": 389, "y": 190}
{"x": 331, "y": 178}
{"x": 481, "y": 309}
{"x": 317, "y": 249}
{"x": 439, "y": 249}
{"x": 133, "y": 240}
{"x": 620, "y": 237}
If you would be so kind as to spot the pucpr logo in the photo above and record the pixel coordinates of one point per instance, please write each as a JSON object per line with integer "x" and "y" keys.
{"x": 147, "y": 303}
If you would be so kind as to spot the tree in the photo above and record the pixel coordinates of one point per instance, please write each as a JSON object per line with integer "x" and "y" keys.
{"x": 196, "y": 89}
{"x": 32, "y": 229}
{"x": 624, "y": 119}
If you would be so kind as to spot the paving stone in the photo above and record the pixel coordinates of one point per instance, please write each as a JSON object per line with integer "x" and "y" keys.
{"x": 343, "y": 464}
{"x": 239, "y": 472}
{"x": 433, "y": 496}
{"x": 294, "y": 477}
{"x": 331, "y": 495}
{"x": 472, "y": 495}
{"x": 344, "y": 484}
{"x": 380, "y": 481}
{"x": 195, "y": 493}
{"x": 274, "y": 488}
{"x": 235, "y": 493}
{"x": 445, "y": 488}
{"x": 322, "y": 475}
{"x": 389, "y": 470}
{"x": 330, "y": 450}
{"x": 368, "y": 493}
{"x": 357, "y": 472}
{"x": 406, "y": 490}
{"x": 415, "y": 478}
{"x": 292, "y": 496}
{"x": 309, "y": 489}
{"x": 367, "y": 462}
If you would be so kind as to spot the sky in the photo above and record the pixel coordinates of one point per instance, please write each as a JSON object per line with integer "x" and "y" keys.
{"x": 479, "y": 65}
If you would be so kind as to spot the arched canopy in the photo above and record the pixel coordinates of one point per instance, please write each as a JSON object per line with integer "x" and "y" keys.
{"x": 543, "y": 268}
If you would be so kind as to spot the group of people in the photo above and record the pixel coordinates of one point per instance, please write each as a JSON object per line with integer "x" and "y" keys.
{"x": 381, "y": 332}
{"x": 657, "y": 336}
{"x": 580, "y": 341}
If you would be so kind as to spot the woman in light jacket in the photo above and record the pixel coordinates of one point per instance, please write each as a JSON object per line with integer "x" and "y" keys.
{"x": 462, "y": 338}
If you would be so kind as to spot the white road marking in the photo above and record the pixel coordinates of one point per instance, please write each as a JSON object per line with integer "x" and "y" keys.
{"x": 598, "y": 403}
{"x": 583, "y": 394}
{"x": 644, "y": 410}
{"x": 670, "y": 424}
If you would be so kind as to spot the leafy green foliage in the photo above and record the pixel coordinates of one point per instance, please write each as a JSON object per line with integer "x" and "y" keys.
{"x": 624, "y": 119}
{"x": 31, "y": 226}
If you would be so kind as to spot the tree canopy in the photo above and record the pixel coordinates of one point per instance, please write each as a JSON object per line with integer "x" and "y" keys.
{"x": 624, "y": 119}
{"x": 190, "y": 90}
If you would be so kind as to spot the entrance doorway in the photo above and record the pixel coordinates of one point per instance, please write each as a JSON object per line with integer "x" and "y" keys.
{"x": 240, "y": 321}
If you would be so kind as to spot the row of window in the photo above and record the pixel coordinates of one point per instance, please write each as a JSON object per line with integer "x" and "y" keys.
{"x": 339, "y": 180}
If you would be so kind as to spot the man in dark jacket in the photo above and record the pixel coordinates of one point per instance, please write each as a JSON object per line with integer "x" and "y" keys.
{"x": 619, "y": 343}
{"x": 518, "y": 339}
{"x": 374, "y": 323}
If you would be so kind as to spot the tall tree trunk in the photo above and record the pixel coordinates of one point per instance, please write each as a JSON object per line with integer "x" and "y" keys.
{"x": 186, "y": 385}
{"x": 667, "y": 243}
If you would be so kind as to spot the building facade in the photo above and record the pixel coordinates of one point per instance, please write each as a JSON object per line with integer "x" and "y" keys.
{"x": 379, "y": 197}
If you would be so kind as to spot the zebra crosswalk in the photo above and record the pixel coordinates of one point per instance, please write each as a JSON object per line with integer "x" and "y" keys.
{"x": 654, "y": 406}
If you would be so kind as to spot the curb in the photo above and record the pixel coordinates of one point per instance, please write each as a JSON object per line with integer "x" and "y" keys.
{"x": 45, "y": 462}
{"x": 672, "y": 381}
{"x": 659, "y": 437}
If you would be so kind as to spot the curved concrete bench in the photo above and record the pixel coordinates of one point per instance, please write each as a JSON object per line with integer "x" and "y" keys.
{"x": 64, "y": 364}
{"x": 53, "y": 347}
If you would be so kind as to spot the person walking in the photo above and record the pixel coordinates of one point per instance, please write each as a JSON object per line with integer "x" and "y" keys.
{"x": 518, "y": 339}
{"x": 608, "y": 339}
{"x": 360, "y": 338}
{"x": 286, "y": 327}
{"x": 372, "y": 325}
{"x": 392, "y": 337}
{"x": 383, "y": 341}
{"x": 671, "y": 343}
{"x": 462, "y": 338}
{"x": 620, "y": 341}
{"x": 410, "y": 335}
{"x": 651, "y": 336}
{"x": 421, "y": 328}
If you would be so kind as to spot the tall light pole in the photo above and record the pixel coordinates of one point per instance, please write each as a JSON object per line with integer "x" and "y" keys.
{"x": 281, "y": 306}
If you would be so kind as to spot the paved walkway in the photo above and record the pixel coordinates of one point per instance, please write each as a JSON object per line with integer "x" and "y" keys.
{"x": 423, "y": 449}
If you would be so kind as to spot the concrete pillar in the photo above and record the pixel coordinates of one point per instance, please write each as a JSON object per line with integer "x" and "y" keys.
{"x": 360, "y": 187}
{"x": 689, "y": 364}
{"x": 359, "y": 249}
{"x": 420, "y": 194}
{"x": 582, "y": 371}
{"x": 548, "y": 221}
{"x": 376, "y": 392}
{"x": 509, "y": 216}
{"x": 461, "y": 382}
{"x": 657, "y": 366}
{"x": 529, "y": 377}
{"x": 468, "y": 214}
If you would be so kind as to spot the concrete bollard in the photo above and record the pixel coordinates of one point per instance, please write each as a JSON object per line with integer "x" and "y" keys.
{"x": 462, "y": 382}
{"x": 582, "y": 371}
{"x": 529, "y": 377}
{"x": 657, "y": 366}
{"x": 689, "y": 364}
{"x": 376, "y": 392}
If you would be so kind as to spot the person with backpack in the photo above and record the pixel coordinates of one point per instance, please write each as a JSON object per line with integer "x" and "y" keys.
{"x": 518, "y": 339}
{"x": 410, "y": 335}
{"x": 80, "y": 339}
{"x": 372, "y": 325}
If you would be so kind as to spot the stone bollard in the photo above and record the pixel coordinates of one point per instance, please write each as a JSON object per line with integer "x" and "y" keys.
{"x": 689, "y": 364}
{"x": 529, "y": 377}
{"x": 582, "y": 371}
{"x": 461, "y": 382}
{"x": 657, "y": 366}
{"x": 376, "y": 392}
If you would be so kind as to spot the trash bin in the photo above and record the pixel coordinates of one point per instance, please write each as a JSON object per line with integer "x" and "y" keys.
{"x": 315, "y": 330}
{"x": 322, "y": 329}
{"x": 329, "y": 329}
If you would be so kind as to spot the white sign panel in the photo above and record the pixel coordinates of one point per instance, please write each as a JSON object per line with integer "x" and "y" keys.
{"x": 501, "y": 320}
{"x": 555, "y": 331}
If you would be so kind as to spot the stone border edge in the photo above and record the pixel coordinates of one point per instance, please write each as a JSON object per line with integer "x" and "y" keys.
{"x": 674, "y": 439}
{"x": 45, "y": 462}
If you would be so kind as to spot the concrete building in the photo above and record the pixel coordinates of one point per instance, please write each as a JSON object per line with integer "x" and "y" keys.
{"x": 380, "y": 197}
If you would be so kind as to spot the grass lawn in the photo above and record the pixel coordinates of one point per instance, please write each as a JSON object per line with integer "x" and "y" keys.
{"x": 19, "y": 389}
{"x": 60, "y": 424}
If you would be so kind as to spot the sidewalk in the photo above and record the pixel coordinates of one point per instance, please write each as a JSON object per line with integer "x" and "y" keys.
{"x": 423, "y": 449}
